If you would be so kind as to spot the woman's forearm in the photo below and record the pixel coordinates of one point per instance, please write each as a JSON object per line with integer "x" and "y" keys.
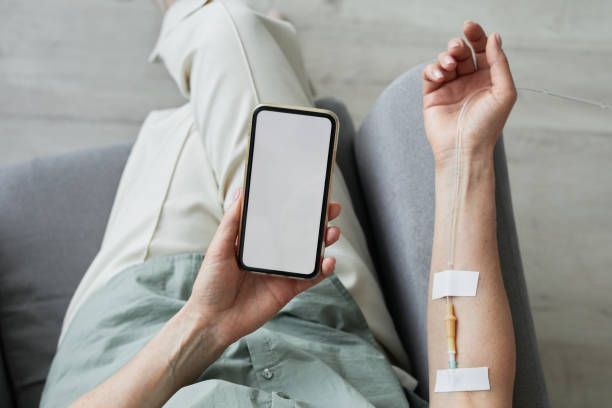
{"x": 175, "y": 357}
{"x": 485, "y": 336}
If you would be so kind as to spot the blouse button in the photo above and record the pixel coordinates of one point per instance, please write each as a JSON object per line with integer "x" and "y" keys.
{"x": 267, "y": 374}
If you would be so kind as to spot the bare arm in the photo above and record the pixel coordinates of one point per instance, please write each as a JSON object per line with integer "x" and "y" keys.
{"x": 174, "y": 358}
{"x": 226, "y": 304}
{"x": 485, "y": 336}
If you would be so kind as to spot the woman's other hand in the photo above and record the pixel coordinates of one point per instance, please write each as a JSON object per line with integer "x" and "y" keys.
{"x": 234, "y": 302}
{"x": 452, "y": 79}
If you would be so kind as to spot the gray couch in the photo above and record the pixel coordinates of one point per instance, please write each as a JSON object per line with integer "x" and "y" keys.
{"x": 53, "y": 212}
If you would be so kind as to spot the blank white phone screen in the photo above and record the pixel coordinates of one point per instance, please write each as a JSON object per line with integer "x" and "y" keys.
{"x": 286, "y": 191}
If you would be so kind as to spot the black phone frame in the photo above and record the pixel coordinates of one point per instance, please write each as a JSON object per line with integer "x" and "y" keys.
{"x": 247, "y": 185}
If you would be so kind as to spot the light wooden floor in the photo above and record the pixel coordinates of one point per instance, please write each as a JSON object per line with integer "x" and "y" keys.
{"x": 73, "y": 74}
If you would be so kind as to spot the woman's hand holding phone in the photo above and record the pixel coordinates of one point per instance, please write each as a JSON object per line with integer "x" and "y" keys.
{"x": 226, "y": 303}
{"x": 233, "y": 302}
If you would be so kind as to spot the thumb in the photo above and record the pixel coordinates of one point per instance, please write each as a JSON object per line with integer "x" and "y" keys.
{"x": 224, "y": 240}
{"x": 501, "y": 77}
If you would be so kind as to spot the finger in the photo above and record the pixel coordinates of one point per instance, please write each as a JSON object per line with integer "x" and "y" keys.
{"x": 475, "y": 35}
{"x": 223, "y": 242}
{"x": 433, "y": 72}
{"x": 327, "y": 266}
{"x": 332, "y": 235}
{"x": 433, "y": 76}
{"x": 428, "y": 86}
{"x": 447, "y": 62}
{"x": 333, "y": 210}
{"x": 448, "y": 65}
{"x": 461, "y": 52}
{"x": 501, "y": 77}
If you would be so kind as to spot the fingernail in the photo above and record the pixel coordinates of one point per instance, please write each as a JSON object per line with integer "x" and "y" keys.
{"x": 466, "y": 22}
{"x": 437, "y": 74}
{"x": 498, "y": 39}
{"x": 448, "y": 60}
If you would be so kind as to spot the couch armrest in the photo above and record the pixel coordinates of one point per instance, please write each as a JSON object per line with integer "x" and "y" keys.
{"x": 53, "y": 215}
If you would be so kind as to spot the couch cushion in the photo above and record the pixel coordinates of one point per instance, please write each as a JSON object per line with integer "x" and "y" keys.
{"x": 53, "y": 214}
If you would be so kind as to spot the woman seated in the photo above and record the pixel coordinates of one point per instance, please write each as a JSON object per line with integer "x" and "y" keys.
{"x": 156, "y": 322}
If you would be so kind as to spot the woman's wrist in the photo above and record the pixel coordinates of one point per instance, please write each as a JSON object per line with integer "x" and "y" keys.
{"x": 201, "y": 330}
{"x": 477, "y": 170}
{"x": 177, "y": 355}
{"x": 195, "y": 346}
{"x": 474, "y": 158}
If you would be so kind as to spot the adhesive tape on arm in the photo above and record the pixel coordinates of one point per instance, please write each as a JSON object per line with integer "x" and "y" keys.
{"x": 462, "y": 379}
{"x": 454, "y": 283}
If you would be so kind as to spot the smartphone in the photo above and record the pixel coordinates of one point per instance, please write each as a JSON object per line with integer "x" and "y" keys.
{"x": 286, "y": 190}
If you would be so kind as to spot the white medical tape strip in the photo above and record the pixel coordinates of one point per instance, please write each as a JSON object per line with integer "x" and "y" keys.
{"x": 462, "y": 379}
{"x": 454, "y": 283}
